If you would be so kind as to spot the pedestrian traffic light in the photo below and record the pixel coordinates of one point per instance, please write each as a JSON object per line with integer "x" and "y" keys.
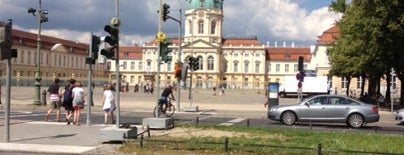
{"x": 95, "y": 46}
{"x": 6, "y": 41}
{"x": 165, "y": 52}
{"x": 165, "y": 12}
{"x": 177, "y": 68}
{"x": 112, "y": 40}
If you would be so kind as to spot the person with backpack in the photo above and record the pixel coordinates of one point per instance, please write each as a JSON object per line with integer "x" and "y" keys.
{"x": 68, "y": 100}
{"x": 78, "y": 101}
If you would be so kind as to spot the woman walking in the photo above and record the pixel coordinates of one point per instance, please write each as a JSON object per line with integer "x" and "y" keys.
{"x": 78, "y": 101}
{"x": 108, "y": 104}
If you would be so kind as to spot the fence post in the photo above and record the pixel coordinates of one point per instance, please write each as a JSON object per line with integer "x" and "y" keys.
{"x": 248, "y": 122}
{"x": 148, "y": 131}
{"x": 226, "y": 144}
{"x": 311, "y": 125}
{"x": 319, "y": 149}
{"x": 197, "y": 120}
{"x": 141, "y": 141}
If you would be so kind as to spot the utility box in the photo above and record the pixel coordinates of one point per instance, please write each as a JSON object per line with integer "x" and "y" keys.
{"x": 273, "y": 94}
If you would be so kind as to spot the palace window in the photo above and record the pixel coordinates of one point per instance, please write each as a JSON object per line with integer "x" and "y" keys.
{"x": 213, "y": 27}
{"x": 257, "y": 67}
{"x": 235, "y": 68}
{"x": 210, "y": 63}
{"x": 246, "y": 66}
{"x": 200, "y": 28}
{"x": 132, "y": 66}
{"x": 200, "y": 62}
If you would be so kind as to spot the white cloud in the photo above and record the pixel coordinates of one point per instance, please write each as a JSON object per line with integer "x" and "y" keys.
{"x": 275, "y": 20}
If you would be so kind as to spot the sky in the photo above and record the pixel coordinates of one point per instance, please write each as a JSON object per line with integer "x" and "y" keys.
{"x": 272, "y": 21}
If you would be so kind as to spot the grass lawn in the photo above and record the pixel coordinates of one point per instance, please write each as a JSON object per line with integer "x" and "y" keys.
{"x": 247, "y": 140}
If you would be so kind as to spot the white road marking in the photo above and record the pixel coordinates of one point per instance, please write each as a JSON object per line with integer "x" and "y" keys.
{"x": 232, "y": 122}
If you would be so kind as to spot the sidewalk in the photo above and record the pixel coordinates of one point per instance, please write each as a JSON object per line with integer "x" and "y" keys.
{"x": 56, "y": 137}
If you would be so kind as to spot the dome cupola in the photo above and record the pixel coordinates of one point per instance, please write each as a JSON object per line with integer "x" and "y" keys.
{"x": 204, "y": 4}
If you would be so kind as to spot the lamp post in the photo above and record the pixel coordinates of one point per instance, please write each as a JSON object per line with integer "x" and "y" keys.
{"x": 41, "y": 18}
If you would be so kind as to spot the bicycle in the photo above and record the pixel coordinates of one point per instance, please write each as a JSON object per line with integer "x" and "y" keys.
{"x": 169, "y": 110}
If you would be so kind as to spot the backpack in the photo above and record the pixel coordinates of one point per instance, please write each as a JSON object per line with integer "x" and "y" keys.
{"x": 67, "y": 95}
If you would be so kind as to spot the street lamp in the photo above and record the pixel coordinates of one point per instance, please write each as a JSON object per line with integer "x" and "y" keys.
{"x": 41, "y": 18}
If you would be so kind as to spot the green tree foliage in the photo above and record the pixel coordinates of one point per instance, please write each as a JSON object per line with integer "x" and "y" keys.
{"x": 370, "y": 41}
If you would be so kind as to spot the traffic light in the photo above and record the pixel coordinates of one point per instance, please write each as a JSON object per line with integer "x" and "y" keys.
{"x": 165, "y": 52}
{"x": 300, "y": 63}
{"x": 95, "y": 47}
{"x": 193, "y": 63}
{"x": 111, "y": 40}
{"x": 165, "y": 12}
{"x": 195, "y": 66}
{"x": 6, "y": 41}
{"x": 43, "y": 14}
{"x": 177, "y": 72}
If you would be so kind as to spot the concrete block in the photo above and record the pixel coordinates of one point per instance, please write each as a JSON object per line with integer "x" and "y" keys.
{"x": 158, "y": 123}
{"x": 191, "y": 109}
{"x": 113, "y": 133}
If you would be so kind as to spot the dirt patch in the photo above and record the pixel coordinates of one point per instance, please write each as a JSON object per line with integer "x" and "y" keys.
{"x": 193, "y": 132}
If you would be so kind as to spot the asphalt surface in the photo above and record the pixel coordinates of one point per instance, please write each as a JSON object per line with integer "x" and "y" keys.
{"x": 58, "y": 138}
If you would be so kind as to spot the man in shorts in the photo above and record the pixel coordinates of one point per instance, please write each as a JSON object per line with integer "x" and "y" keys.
{"x": 54, "y": 98}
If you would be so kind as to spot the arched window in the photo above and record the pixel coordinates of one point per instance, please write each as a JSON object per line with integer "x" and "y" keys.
{"x": 213, "y": 27}
{"x": 200, "y": 62}
{"x": 210, "y": 63}
{"x": 200, "y": 26}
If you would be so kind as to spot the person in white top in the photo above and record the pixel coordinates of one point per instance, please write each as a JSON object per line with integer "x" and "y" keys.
{"x": 108, "y": 104}
{"x": 78, "y": 101}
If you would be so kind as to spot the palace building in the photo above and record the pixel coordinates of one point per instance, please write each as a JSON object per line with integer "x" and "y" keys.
{"x": 233, "y": 62}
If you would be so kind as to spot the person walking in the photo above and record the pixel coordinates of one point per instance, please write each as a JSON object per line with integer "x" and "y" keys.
{"x": 68, "y": 100}
{"x": 78, "y": 101}
{"x": 108, "y": 104}
{"x": 54, "y": 98}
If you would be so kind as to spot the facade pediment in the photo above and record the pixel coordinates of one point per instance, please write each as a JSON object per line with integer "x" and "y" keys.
{"x": 200, "y": 44}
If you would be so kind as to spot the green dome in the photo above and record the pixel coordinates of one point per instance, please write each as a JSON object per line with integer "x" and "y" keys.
{"x": 204, "y": 4}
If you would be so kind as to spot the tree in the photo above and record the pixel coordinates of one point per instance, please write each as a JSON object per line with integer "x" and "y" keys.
{"x": 370, "y": 40}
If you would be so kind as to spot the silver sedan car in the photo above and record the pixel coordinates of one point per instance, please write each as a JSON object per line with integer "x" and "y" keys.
{"x": 327, "y": 109}
{"x": 400, "y": 116}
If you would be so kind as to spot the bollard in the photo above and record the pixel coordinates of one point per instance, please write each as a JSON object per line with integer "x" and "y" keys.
{"x": 319, "y": 149}
{"x": 197, "y": 120}
{"x": 226, "y": 144}
{"x": 141, "y": 141}
{"x": 43, "y": 97}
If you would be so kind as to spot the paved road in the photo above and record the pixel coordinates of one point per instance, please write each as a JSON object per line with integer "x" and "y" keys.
{"x": 237, "y": 107}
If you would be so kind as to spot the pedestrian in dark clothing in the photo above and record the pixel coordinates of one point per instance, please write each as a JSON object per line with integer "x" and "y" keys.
{"x": 54, "y": 98}
{"x": 68, "y": 100}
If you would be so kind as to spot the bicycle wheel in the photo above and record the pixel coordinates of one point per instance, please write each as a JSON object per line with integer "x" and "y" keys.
{"x": 170, "y": 110}
{"x": 158, "y": 112}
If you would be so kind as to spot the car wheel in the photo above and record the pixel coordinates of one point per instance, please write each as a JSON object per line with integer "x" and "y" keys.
{"x": 355, "y": 120}
{"x": 289, "y": 118}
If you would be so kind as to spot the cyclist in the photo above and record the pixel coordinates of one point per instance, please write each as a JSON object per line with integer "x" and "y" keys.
{"x": 167, "y": 92}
